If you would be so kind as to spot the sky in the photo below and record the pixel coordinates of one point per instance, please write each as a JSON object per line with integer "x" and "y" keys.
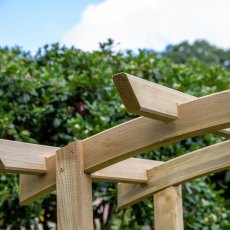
{"x": 132, "y": 24}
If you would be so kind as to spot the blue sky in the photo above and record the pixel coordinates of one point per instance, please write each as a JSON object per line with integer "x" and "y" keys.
{"x": 131, "y": 23}
{"x": 34, "y": 23}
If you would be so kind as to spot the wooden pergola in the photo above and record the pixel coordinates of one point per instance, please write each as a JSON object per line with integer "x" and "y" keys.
{"x": 167, "y": 116}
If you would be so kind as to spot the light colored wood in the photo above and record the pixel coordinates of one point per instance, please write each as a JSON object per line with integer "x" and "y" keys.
{"x": 148, "y": 99}
{"x": 224, "y": 133}
{"x": 152, "y": 100}
{"x": 200, "y": 116}
{"x": 74, "y": 190}
{"x": 168, "y": 209}
{"x": 33, "y": 187}
{"x": 176, "y": 171}
{"x": 19, "y": 157}
{"x": 133, "y": 170}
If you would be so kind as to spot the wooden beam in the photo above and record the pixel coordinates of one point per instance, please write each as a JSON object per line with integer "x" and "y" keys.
{"x": 224, "y": 133}
{"x": 19, "y": 157}
{"x": 168, "y": 209}
{"x": 33, "y": 187}
{"x": 176, "y": 171}
{"x": 74, "y": 190}
{"x": 203, "y": 115}
{"x": 148, "y": 99}
{"x": 152, "y": 100}
{"x": 132, "y": 170}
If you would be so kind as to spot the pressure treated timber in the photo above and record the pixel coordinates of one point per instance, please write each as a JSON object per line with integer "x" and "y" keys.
{"x": 74, "y": 190}
{"x": 148, "y": 99}
{"x": 203, "y": 115}
{"x": 152, "y": 100}
{"x": 20, "y": 157}
{"x": 33, "y": 187}
{"x": 176, "y": 171}
{"x": 168, "y": 209}
{"x": 133, "y": 170}
{"x": 144, "y": 134}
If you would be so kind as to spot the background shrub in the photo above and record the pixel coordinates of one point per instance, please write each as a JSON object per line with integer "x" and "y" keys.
{"x": 63, "y": 94}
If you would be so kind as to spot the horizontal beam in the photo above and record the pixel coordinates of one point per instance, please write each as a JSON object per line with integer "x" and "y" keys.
{"x": 33, "y": 187}
{"x": 148, "y": 99}
{"x": 176, "y": 171}
{"x": 133, "y": 170}
{"x": 19, "y": 157}
{"x": 152, "y": 100}
{"x": 203, "y": 115}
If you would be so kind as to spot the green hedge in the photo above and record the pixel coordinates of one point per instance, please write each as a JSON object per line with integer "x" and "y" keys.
{"x": 63, "y": 94}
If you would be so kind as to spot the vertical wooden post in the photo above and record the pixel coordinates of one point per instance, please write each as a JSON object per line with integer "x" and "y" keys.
{"x": 168, "y": 209}
{"x": 74, "y": 189}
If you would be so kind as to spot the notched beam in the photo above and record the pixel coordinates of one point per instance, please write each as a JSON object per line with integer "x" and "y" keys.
{"x": 152, "y": 100}
{"x": 176, "y": 171}
{"x": 132, "y": 170}
{"x": 203, "y": 115}
{"x": 20, "y": 157}
{"x": 33, "y": 187}
{"x": 148, "y": 99}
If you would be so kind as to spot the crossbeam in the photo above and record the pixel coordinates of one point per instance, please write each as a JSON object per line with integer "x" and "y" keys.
{"x": 20, "y": 157}
{"x": 133, "y": 170}
{"x": 203, "y": 115}
{"x": 148, "y": 99}
{"x": 176, "y": 171}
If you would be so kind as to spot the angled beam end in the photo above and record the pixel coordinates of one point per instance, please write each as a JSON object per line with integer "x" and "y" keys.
{"x": 146, "y": 98}
{"x": 126, "y": 92}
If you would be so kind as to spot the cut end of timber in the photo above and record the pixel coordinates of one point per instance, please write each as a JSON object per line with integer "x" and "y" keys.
{"x": 126, "y": 92}
{"x": 145, "y": 98}
{"x": 24, "y": 158}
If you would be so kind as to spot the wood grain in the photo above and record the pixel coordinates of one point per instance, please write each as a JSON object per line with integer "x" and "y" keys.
{"x": 133, "y": 170}
{"x": 33, "y": 187}
{"x": 74, "y": 190}
{"x": 176, "y": 171}
{"x": 204, "y": 115}
{"x": 148, "y": 99}
{"x": 20, "y": 157}
{"x": 168, "y": 209}
{"x": 152, "y": 100}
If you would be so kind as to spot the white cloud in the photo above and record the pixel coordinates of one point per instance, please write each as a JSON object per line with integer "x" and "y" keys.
{"x": 151, "y": 23}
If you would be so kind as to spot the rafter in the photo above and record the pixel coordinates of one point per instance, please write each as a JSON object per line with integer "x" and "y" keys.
{"x": 203, "y": 115}
{"x": 20, "y": 157}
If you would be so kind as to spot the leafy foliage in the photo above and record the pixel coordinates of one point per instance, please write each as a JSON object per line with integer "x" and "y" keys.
{"x": 63, "y": 94}
{"x": 200, "y": 50}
